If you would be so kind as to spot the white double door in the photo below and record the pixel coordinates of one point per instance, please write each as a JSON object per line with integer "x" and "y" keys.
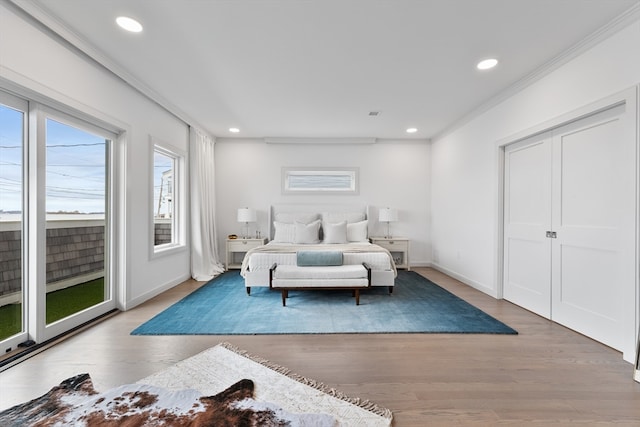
{"x": 570, "y": 205}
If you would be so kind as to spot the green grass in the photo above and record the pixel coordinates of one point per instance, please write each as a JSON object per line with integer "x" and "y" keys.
{"x": 10, "y": 320}
{"x": 60, "y": 304}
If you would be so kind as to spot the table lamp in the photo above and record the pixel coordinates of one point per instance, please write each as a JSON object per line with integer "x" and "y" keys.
{"x": 246, "y": 215}
{"x": 387, "y": 215}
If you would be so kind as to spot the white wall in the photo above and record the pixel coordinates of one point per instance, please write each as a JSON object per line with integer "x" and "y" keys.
{"x": 464, "y": 202}
{"x": 393, "y": 173}
{"x": 32, "y": 59}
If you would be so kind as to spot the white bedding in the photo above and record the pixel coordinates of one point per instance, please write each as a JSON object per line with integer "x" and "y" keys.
{"x": 263, "y": 257}
{"x": 296, "y": 228}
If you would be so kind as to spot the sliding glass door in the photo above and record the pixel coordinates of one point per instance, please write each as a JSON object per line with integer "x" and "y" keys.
{"x": 55, "y": 221}
{"x": 76, "y": 207}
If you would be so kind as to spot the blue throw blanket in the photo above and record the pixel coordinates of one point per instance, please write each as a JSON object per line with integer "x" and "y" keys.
{"x": 318, "y": 258}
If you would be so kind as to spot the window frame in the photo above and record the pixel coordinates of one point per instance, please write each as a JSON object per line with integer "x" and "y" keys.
{"x": 317, "y": 175}
{"x": 69, "y": 118}
{"x": 178, "y": 220}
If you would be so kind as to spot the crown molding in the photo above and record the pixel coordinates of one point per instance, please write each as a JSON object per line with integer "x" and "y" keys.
{"x": 54, "y": 26}
{"x": 616, "y": 25}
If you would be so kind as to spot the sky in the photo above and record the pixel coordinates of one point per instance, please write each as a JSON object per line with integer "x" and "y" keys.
{"x": 75, "y": 166}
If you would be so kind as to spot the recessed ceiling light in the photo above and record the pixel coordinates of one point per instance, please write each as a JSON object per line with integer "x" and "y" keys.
{"x": 412, "y": 130}
{"x": 129, "y": 24}
{"x": 487, "y": 64}
{"x": 234, "y": 130}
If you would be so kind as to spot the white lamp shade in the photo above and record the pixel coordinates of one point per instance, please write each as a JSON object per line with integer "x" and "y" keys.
{"x": 387, "y": 215}
{"x": 246, "y": 215}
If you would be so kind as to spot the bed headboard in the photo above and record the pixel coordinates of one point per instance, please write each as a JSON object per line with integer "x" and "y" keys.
{"x": 313, "y": 209}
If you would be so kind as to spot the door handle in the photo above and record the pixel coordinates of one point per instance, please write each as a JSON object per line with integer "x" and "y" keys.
{"x": 552, "y": 235}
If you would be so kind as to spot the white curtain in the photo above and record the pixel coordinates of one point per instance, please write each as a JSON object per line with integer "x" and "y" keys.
{"x": 205, "y": 262}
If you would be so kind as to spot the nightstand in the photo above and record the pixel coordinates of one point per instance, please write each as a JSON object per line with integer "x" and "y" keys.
{"x": 240, "y": 246}
{"x": 399, "y": 248}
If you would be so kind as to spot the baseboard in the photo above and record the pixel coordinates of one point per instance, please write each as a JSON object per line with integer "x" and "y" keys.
{"x": 636, "y": 371}
{"x": 467, "y": 281}
{"x": 134, "y": 302}
{"x": 421, "y": 264}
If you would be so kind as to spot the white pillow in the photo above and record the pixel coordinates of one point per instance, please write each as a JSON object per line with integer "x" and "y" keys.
{"x": 357, "y": 232}
{"x": 335, "y": 217}
{"x": 284, "y": 233}
{"x": 307, "y": 233}
{"x": 335, "y": 233}
{"x": 291, "y": 217}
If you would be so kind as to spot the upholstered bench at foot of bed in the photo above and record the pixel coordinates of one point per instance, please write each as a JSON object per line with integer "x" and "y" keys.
{"x": 292, "y": 277}
{"x": 260, "y": 278}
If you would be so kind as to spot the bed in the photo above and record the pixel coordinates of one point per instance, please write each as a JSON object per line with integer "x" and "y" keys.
{"x": 298, "y": 228}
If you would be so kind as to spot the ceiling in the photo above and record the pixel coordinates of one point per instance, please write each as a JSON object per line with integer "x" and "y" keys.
{"x": 317, "y": 68}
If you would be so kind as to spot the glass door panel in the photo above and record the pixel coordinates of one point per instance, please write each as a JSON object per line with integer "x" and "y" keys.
{"x": 12, "y": 138}
{"x": 76, "y": 202}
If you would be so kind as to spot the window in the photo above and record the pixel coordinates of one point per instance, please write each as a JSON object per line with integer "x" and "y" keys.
{"x": 167, "y": 206}
{"x": 320, "y": 180}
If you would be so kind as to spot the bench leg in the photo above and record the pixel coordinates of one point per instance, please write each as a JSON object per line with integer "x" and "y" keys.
{"x": 248, "y": 290}
{"x": 390, "y": 290}
{"x": 357, "y": 292}
{"x": 284, "y": 297}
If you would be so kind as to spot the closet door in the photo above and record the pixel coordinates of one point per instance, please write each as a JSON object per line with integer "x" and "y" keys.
{"x": 594, "y": 201}
{"x": 527, "y": 218}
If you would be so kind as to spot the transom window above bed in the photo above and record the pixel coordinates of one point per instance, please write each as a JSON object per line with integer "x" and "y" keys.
{"x": 315, "y": 180}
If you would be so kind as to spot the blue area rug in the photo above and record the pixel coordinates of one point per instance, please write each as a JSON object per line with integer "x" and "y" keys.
{"x": 222, "y": 307}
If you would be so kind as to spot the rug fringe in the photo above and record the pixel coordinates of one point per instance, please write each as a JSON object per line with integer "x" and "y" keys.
{"x": 364, "y": 404}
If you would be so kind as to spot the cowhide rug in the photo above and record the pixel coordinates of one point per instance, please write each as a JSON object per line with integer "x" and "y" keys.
{"x": 75, "y": 402}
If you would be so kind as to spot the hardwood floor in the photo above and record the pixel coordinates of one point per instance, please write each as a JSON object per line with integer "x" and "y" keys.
{"x": 546, "y": 375}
